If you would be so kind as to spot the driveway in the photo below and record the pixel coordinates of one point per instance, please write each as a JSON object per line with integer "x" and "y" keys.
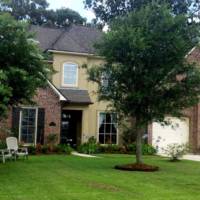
{"x": 192, "y": 157}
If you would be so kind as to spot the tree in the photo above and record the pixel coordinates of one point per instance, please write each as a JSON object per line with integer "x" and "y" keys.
{"x": 22, "y": 69}
{"x": 66, "y": 16}
{"x": 146, "y": 68}
{"x": 32, "y": 10}
{"x": 108, "y": 10}
{"x": 63, "y": 17}
{"x": 36, "y": 12}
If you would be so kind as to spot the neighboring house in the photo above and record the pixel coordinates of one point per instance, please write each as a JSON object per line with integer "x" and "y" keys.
{"x": 182, "y": 131}
{"x": 68, "y": 106}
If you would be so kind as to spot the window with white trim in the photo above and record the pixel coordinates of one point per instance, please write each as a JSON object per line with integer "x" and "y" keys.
{"x": 70, "y": 75}
{"x": 28, "y": 125}
{"x": 107, "y": 128}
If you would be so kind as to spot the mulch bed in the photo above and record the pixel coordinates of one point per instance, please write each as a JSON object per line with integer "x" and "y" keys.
{"x": 137, "y": 167}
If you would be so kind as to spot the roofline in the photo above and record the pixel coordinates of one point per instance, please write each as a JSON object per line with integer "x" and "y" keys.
{"x": 61, "y": 97}
{"x": 74, "y": 53}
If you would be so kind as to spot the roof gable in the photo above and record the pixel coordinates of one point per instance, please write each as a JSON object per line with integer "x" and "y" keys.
{"x": 79, "y": 39}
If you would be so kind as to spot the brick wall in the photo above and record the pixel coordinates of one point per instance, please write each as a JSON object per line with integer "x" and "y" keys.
{"x": 47, "y": 99}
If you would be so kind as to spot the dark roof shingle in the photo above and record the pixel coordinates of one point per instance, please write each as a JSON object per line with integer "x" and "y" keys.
{"x": 76, "y": 96}
{"x": 75, "y": 38}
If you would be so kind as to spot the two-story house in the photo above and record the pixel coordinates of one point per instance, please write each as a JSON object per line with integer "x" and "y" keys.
{"x": 69, "y": 106}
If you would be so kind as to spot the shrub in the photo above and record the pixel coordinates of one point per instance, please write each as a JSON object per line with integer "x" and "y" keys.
{"x": 3, "y": 145}
{"x": 146, "y": 149}
{"x": 44, "y": 149}
{"x": 32, "y": 150}
{"x": 176, "y": 151}
{"x": 90, "y": 147}
{"x": 51, "y": 140}
{"x": 64, "y": 148}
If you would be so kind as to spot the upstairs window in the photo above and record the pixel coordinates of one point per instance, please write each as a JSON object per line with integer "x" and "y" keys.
{"x": 104, "y": 80}
{"x": 70, "y": 75}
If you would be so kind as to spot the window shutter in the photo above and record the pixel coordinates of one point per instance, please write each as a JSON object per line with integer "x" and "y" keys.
{"x": 16, "y": 120}
{"x": 40, "y": 125}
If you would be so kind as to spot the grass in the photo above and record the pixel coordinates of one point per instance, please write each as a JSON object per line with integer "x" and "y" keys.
{"x": 73, "y": 178}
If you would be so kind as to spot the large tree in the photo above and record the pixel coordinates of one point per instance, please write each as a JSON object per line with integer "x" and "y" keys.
{"x": 110, "y": 9}
{"x": 22, "y": 69}
{"x": 148, "y": 75}
{"x": 63, "y": 17}
{"x": 37, "y": 13}
{"x": 32, "y": 10}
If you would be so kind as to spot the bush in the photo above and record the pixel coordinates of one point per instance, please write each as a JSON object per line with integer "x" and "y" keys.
{"x": 176, "y": 151}
{"x": 51, "y": 140}
{"x": 90, "y": 147}
{"x": 3, "y": 145}
{"x": 64, "y": 148}
{"x": 111, "y": 148}
{"x": 32, "y": 150}
{"x": 146, "y": 149}
{"x": 44, "y": 149}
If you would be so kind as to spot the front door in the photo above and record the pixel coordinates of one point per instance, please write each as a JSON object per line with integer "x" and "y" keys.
{"x": 71, "y": 127}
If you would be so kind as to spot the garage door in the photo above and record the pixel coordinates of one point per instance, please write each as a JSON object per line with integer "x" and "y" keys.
{"x": 177, "y": 132}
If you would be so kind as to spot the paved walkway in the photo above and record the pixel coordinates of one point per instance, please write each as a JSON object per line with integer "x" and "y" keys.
{"x": 192, "y": 157}
{"x": 83, "y": 155}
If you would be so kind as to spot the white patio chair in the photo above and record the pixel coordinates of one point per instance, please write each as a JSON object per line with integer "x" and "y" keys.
{"x": 5, "y": 154}
{"x": 13, "y": 147}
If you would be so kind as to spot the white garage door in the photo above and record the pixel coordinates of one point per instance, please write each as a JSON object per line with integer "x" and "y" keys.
{"x": 177, "y": 132}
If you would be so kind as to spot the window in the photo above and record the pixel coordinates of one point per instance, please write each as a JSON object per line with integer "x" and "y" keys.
{"x": 107, "y": 128}
{"x": 104, "y": 80}
{"x": 70, "y": 75}
{"x": 28, "y": 125}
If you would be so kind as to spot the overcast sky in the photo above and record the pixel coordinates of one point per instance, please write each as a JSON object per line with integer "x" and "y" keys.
{"x": 76, "y": 5}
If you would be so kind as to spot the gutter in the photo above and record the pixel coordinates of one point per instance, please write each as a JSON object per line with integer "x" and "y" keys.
{"x": 74, "y": 53}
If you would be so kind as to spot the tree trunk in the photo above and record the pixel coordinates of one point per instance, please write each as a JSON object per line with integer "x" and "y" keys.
{"x": 139, "y": 146}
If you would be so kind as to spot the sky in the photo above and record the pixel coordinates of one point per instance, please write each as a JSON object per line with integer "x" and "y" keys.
{"x": 76, "y": 5}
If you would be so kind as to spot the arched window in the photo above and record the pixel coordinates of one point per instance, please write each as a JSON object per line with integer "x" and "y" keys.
{"x": 70, "y": 75}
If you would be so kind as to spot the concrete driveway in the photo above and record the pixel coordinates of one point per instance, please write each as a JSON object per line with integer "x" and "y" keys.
{"x": 192, "y": 157}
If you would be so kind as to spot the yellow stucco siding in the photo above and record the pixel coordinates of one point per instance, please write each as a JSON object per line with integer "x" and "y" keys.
{"x": 89, "y": 112}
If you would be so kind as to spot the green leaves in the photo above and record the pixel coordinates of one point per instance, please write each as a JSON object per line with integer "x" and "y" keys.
{"x": 22, "y": 69}
{"x": 106, "y": 11}
{"x": 145, "y": 53}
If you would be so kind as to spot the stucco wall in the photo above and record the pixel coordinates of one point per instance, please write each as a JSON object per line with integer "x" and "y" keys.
{"x": 90, "y": 112}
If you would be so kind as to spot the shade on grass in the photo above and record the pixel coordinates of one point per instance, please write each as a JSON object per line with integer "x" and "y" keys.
{"x": 75, "y": 178}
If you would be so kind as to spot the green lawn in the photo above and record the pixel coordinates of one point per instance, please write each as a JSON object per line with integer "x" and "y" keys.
{"x": 74, "y": 178}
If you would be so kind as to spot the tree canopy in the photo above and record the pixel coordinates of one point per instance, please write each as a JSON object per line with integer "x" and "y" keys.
{"x": 37, "y": 13}
{"x": 108, "y": 10}
{"x": 148, "y": 75}
{"x": 22, "y": 69}
{"x": 63, "y": 17}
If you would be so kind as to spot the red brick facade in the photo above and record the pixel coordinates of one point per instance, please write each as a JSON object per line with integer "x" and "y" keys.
{"x": 49, "y": 101}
